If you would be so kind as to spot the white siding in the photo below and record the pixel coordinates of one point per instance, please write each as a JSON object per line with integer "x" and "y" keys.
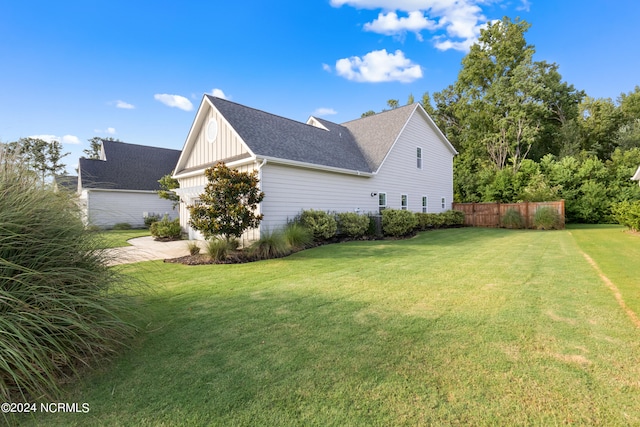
{"x": 107, "y": 208}
{"x": 289, "y": 190}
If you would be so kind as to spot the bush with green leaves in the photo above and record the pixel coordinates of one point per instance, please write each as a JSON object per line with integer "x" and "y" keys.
{"x": 61, "y": 306}
{"x": 194, "y": 248}
{"x": 166, "y": 229}
{"x": 429, "y": 220}
{"x": 150, "y": 219}
{"x": 352, "y": 224}
{"x": 452, "y": 218}
{"x": 547, "y": 218}
{"x": 628, "y": 214}
{"x": 322, "y": 225}
{"x": 398, "y": 222}
{"x": 512, "y": 218}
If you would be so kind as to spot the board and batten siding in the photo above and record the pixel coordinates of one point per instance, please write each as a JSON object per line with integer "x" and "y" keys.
{"x": 227, "y": 144}
{"x": 107, "y": 208}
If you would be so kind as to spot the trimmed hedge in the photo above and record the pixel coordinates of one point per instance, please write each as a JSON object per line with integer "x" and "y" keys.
{"x": 322, "y": 225}
{"x": 397, "y": 222}
{"x": 352, "y": 224}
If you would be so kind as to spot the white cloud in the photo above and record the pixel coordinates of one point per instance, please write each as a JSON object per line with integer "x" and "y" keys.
{"x": 70, "y": 139}
{"x": 390, "y": 24}
{"x": 218, "y": 93}
{"x": 174, "y": 101}
{"x": 326, "y": 67}
{"x": 109, "y": 131}
{"x": 66, "y": 139}
{"x": 124, "y": 105}
{"x": 461, "y": 20}
{"x": 379, "y": 66}
{"x": 324, "y": 112}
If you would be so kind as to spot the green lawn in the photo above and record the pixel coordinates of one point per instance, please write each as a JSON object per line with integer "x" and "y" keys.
{"x": 453, "y": 327}
{"x": 118, "y": 238}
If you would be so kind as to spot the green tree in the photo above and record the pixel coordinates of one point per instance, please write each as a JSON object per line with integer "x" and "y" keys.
{"x": 95, "y": 147}
{"x": 41, "y": 157}
{"x": 393, "y": 103}
{"x": 227, "y": 206}
{"x": 368, "y": 113}
{"x": 167, "y": 185}
{"x": 599, "y": 122}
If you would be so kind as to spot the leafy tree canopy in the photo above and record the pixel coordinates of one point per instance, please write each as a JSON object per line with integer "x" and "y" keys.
{"x": 228, "y": 205}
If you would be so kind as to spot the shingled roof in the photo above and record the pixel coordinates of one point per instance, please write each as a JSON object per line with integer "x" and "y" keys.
{"x": 127, "y": 167}
{"x": 272, "y": 136}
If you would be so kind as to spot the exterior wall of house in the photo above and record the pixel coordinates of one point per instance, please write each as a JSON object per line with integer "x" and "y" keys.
{"x": 226, "y": 145}
{"x": 399, "y": 173}
{"x": 289, "y": 190}
{"x": 107, "y": 208}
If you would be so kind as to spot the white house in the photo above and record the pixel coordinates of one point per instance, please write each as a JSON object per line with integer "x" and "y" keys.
{"x": 120, "y": 186}
{"x": 636, "y": 176}
{"x": 395, "y": 159}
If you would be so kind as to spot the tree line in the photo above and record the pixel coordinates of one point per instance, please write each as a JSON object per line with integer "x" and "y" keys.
{"x": 523, "y": 133}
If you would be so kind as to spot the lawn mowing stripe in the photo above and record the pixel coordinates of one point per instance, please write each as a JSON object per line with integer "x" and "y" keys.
{"x": 616, "y": 292}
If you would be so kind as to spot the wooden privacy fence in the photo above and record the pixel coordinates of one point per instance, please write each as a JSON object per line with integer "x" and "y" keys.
{"x": 490, "y": 214}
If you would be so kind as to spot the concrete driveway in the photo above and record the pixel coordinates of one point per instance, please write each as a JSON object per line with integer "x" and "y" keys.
{"x": 147, "y": 249}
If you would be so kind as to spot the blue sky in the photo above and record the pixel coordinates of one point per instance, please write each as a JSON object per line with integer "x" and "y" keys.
{"x": 137, "y": 70}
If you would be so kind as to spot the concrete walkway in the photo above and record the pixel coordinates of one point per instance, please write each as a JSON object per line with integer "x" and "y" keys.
{"x": 147, "y": 249}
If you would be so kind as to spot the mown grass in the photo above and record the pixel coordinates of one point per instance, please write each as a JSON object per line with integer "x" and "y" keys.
{"x": 463, "y": 326}
{"x": 119, "y": 238}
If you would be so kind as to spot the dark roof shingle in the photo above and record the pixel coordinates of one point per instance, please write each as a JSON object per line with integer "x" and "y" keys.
{"x": 128, "y": 167}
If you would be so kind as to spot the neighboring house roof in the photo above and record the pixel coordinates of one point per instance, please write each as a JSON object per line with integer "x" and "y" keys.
{"x": 127, "y": 167}
{"x": 636, "y": 176}
{"x": 67, "y": 182}
{"x": 360, "y": 145}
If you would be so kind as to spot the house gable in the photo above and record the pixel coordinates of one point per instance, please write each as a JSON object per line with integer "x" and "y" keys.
{"x": 211, "y": 139}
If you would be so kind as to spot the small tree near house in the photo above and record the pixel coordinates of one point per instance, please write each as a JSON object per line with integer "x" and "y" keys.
{"x": 227, "y": 206}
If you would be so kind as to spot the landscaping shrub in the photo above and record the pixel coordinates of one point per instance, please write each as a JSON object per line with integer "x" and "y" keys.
{"x": 452, "y": 218}
{"x": 397, "y": 223}
{"x": 193, "y": 247}
{"x": 547, "y": 218}
{"x": 429, "y": 220}
{"x": 322, "y": 225}
{"x": 297, "y": 236}
{"x": 150, "y": 219}
{"x": 60, "y": 304}
{"x": 512, "y": 219}
{"x": 628, "y": 214}
{"x": 122, "y": 226}
{"x": 219, "y": 248}
{"x": 270, "y": 245}
{"x": 166, "y": 229}
{"x": 352, "y": 224}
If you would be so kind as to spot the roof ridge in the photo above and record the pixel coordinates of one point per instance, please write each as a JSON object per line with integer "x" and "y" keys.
{"x": 382, "y": 113}
{"x": 259, "y": 110}
{"x": 140, "y": 145}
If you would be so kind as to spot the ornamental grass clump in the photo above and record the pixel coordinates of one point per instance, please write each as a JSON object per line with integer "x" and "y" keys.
{"x": 547, "y": 218}
{"x": 272, "y": 244}
{"x": 297, "y": 236}
{"x": 512, "y": 219}
{"x": 61, "y": 306}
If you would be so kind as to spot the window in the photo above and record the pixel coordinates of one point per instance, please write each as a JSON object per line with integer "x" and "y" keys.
{"x": 404, "y": 202}
{"x": 419, "y": 157}
{"x": 443, "y": 203}
{"x": 425, "y": 204}
{"x": 382, "y": 201}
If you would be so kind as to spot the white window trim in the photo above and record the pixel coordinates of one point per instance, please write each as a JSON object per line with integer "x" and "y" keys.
{"x": 419, "y": 159}
{"x": 425, "y": 206}
{"x": 381, "y": 207}
{"x": 443, "y": 202}
{"x": 406, "y": 199}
